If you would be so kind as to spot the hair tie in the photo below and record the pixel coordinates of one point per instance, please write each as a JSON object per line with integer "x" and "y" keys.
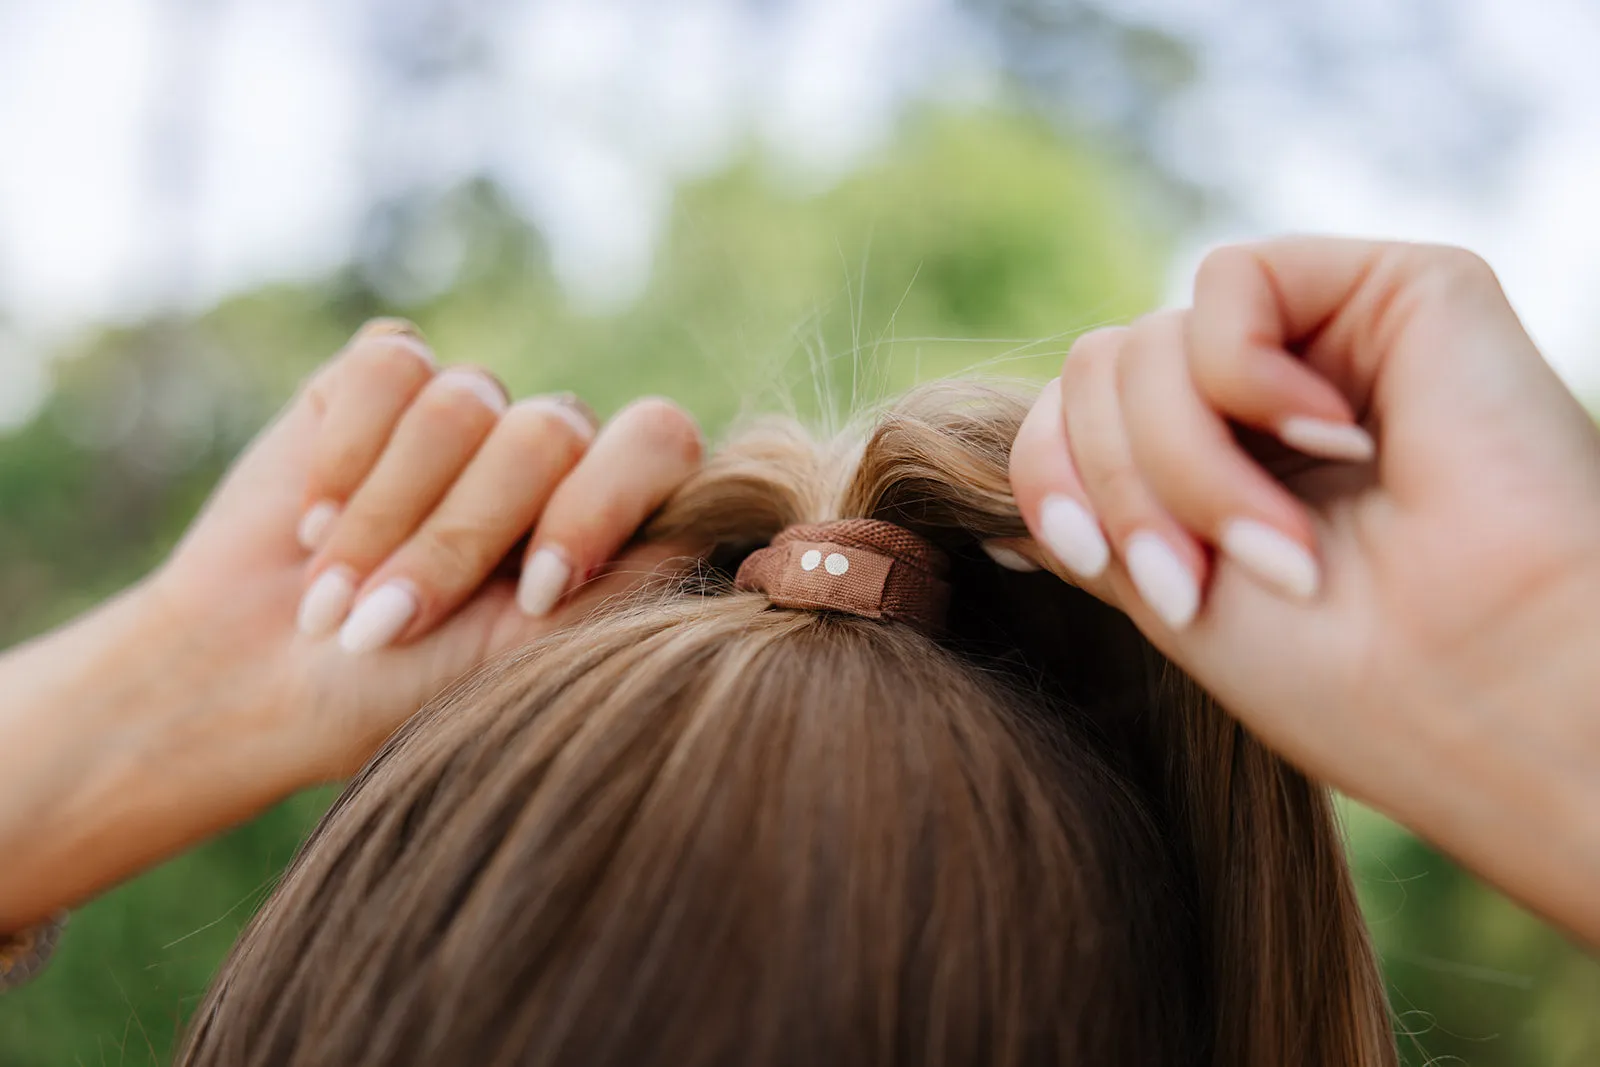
{"x": 863, "y": 567}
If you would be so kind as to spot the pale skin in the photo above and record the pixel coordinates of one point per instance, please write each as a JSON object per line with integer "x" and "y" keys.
{"x": 1411, "y": 611}
{"x": 1413, "y": 620}
{"x": 209, "y": 690}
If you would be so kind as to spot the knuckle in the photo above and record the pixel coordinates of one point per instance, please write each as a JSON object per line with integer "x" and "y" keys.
{"x": 1223, "y": 262}
{"x": 389, "y": 360}
{"x": 580, "y": 532}
{"x": 598, "y": 529}
{"x": 1151, "y": 331}
{"x": 1119, "y": 491}
{"x": 1090, "y": 353}
{"x": 1152, "y": 341}
{"x": 367, "y": 529}
{"x": 449, "y": 554}
{"x": 341, "y": 462}
{"x": 532, "y": 425}
{"x": 315, "y": 392}
{"x": 448, "y": 408}
{"x": 1454, "y": 265}
{"x": 1164, "y": 324}
{"x": 665, "y": 424}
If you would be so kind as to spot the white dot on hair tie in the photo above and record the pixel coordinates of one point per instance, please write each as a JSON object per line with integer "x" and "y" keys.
{"x": 836, "y": 563}
{"x": 810, "y": 559}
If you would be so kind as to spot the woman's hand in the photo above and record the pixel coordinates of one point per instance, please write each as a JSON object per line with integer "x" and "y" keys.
{"x": 360, "y": 557}
{"x": 1415, "y": 621}
{"x": 355, "y": 561}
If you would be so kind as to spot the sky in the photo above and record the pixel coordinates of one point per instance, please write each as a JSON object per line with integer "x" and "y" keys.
{"x": 1536, "y": 218}
{"x": 123, "y": 188}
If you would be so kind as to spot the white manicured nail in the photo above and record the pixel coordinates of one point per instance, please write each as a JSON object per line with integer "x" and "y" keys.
{"x": 544, "y": 579}
{"x": 1327, "y": 440}
{"x": 469, "y": 381}
{"x": 1162, "y": 579}
{"x": 566, "y": 412}
{"x": 1009, "y": 558}
{"x": 316, "y": 524}
{"x": 416, "y": 346}
{"x": 326, "y": 602}
{"x": 401, "y": 337}
{"x": 379, "y": 618}
{"x": 1073, "y": 536}
{"x": 1278, "y": 560}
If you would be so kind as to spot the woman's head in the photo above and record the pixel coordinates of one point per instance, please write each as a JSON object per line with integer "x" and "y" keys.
{"x": 700, "y": 829}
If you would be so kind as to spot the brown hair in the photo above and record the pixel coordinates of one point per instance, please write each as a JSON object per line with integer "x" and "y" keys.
{"x": 698, "y": 829}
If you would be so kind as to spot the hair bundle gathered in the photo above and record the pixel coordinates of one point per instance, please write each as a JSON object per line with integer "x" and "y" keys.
{"x": 864, "y": 567}
{"x": 705, "y": 828}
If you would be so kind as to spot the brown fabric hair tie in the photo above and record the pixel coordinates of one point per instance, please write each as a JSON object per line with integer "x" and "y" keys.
{"x": 863, "y": 567}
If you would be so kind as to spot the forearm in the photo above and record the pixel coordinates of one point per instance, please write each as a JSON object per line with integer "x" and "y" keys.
{"x": 1529, "y": 827}
{"x": 1504, "y": 772}
{"x": 121, "y": 746}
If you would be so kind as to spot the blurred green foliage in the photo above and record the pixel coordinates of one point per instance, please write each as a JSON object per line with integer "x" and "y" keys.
{"x": 979, "y": 243}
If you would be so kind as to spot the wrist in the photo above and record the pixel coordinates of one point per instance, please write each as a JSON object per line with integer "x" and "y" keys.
{"x": 214, "y": 689}
{"x": 128, "y": 743}
{"x": 1504, "y": 766}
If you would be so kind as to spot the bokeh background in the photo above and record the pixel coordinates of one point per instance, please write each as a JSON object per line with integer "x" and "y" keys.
{"x": 739, "y": 203}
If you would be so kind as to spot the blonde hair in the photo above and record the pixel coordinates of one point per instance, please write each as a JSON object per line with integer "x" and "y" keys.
{"x": 699, "y": 829}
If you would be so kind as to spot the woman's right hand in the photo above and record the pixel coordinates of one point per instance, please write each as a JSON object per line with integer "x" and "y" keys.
{"x": 358, "y": 558}
{"x": 1414, "y": 615}
{"x": 352, "y": 563}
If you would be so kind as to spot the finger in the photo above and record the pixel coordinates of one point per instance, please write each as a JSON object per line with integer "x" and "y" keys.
{"x": 1164, "y": 562}
{"x": 489, "y": 508}
{"x": 433, "y": 442}
{"x": 1253, "y": 305}
{"x": 1199, "y": 474}
{"x": 359, "y": 397}
{"x": 1049, "y": 492}
{"x": 1019, "y": 554}
{"x": 1351, "y": 309}
{"x": 639, "y": 570}
{"x": 639, "y": 459}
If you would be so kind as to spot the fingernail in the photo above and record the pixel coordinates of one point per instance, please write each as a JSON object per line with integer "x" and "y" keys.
{"x": 543, "y": 581}
{"x": 566, "y": 412}
{"x": 1280, "y": 561}
{"x": 585, "y": 413}
{"x": 326, "y": 602}
{"x": 477, "y": 385}
{"x": 1073, "y": 536}
{"x": 401, "y": 333}
{"x": 379, "y": 618}
{"x": 1327, "y": 440}
{"x": 316, "y": 524}
{"x": 389, "y": 326}
{"x": 1162, "y": 579}
{"x": 415, "y": 346}
{"x": 1009, "y": 558}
